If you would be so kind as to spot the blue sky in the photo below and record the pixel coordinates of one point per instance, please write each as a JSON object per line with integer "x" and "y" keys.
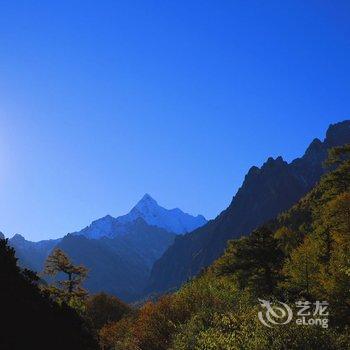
{"x": 102, "y": 101}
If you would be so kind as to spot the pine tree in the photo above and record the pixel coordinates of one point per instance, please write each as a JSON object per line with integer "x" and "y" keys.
{"x": 69, "y": 290}
{"x": 254, "y": 261}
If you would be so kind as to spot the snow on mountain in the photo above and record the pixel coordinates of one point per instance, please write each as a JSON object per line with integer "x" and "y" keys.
{"x": 103, "y": 227}
{"x": 172, "y": 220}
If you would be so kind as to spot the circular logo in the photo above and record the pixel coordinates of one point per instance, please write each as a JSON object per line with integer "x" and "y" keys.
{"x": 274, "y": 314}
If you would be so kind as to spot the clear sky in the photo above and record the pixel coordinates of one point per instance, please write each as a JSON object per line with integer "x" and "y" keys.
{"x": 103, "y": 101}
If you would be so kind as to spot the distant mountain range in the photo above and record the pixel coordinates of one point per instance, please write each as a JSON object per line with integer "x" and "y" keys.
{"x": 119, "y": 252}
{"x": 266, "y": 192}
{"x": 32, "y": 254}
{"x": 152, "y": 249}
{"x": 173, "y": 220}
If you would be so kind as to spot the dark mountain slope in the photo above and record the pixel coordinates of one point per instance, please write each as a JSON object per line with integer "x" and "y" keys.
{"x": 29, "y": 319}
{"x": 120, "y": 265}
{"x": 148, "y": 242}
{"x": 109, "y": 270}
{"x": 265, "y": 193}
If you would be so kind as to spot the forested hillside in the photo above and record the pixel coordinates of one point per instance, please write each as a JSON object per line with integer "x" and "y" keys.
{"x": 302, "y": 256}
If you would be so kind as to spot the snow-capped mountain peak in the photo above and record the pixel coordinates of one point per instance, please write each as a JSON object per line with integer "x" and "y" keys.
{"x": 146, "y": 203}
{"x": 102, "y": 227}
{"x": 173, "y": 220}
{"x": 147, "y": 209}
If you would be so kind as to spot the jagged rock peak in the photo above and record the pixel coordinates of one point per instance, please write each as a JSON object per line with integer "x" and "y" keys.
{"x": 147, "y": 198}
{"x": 107, "y": 218}
{"x": 146, "y": 201}
{"x": 271, "y": 162}
{"x": 253, "y": 171}
{"x": 18, "y": 238}
{"x": 314, "y": 146}
{"x": 338, "y": 134}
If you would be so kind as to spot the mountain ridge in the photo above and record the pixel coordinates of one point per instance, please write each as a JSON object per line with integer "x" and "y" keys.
{"x": 131, "y": 244}
{"x": 265, "y": 192}
{"x": 172, "y": 220}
